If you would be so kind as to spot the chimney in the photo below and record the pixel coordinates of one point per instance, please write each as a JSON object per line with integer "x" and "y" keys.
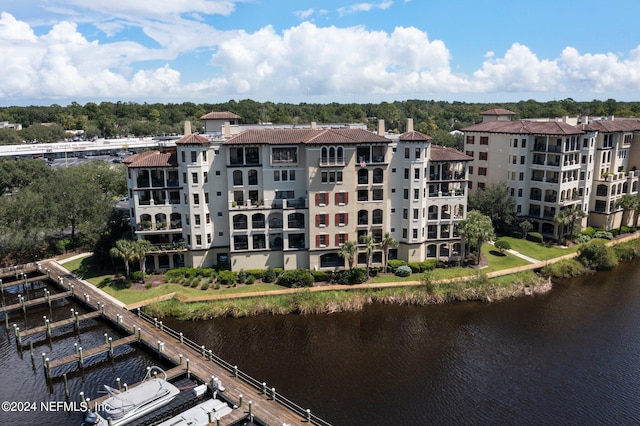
{"x": 226, "y": 130}
{"x": 381, "y": 130}
{"x": 409, "y": 125}
{"x": 187, "y": 128}
{"x": 313, "y": 125}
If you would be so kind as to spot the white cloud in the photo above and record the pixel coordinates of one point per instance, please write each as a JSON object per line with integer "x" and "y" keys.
{"x": 304, "y": 14}
{"x": 364, "y": 7}
{"x": 303, "y": 61}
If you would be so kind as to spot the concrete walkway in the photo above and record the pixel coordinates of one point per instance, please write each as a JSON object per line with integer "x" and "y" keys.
{"x": 520, "y": 255}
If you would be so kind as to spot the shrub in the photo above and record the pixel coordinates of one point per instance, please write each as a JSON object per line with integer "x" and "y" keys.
{"x": 625, "y": 230}
{"x": 295, "y": 278}
{"x": 502, "y": 245}
{"x": 227, "y": 277}
{"x": 589, "y": 231}
{"x": 136, "y": 275}
{"x": 352, "y": 276}
{"x": 582, "y": 238}
{"x": 393, "y": 264}
{"x": 242, "y": 276}
{"x": 564, "y": 269}
{"x": 535, "y": 237}
{"x": 596, "y": 255}
{"x": 603, "y": 234}
{"x": 251, "y": 279}
{"x": 195, "y": 282}
{"x": 403, "y": 271}
{"x": 217, "y": 286}
{"x": 148, "y": 285}
{"x": 257, "y": 273}
{"x": 204, "y": 286}
{"x": 269, "y": 275}
{"x": 321, "y": 276}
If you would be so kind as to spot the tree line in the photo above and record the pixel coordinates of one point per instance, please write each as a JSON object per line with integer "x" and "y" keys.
{"x": 45, "y": 211}
{"x": 435, "y": 118}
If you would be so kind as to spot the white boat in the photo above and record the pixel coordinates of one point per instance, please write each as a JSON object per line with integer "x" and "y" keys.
{"x": 124, "y": 407}
{"x": 199, "y": 415}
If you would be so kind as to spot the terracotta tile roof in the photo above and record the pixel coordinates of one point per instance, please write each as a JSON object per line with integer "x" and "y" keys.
{"x": 609, "y": 126}
{"x": 525, "y": 127}
{"x": 193, "y": 139}
{"x": 226, "y": 115}
{"x": 306, "y": 136}
{"x": 443, "y": 153}
{"x": 152, "y": 159}
{"x": 497, "y": 111}
{"x": 415, "y": 136}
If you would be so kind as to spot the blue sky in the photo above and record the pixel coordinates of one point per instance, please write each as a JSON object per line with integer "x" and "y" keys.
{"x": 58, "y": 51}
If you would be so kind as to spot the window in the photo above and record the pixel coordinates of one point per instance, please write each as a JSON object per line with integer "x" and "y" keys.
{"x": 416, "y": 193}
{"x": 194, "y": 156}
{"x": 284, "y": 155}
{"x": 252, "y": 177}
{"x": 414, "y": 233}
{"x": 206, "y": 197}
{"x": 481, "y": 185}
{"x": 519, "y": 192}
{"x": 404, "y": 233}
{"x": 341, "y": 238}
{"x": 208, "y": 218}
{"x": 322, "y": 198}
{"x": 208, "y": 237}
{"x": 377, "y": 194}
{"x": 470, "y": 153}
{"x": 484, "y": 140}
{"x": 416, "y": 174}
{"x": 405, "y": 193}
{"x": 406, "y": 153}
{"x": 523, "y": 159}
{"x": 363, "y": 217}
{"x": 184, "y": 178}
{"x": 483, "y": 156}
{"x": 416, "y": 214}
{"x": 363, "y": 195}
{"x": 342, "y": 219}
{"x": 237, "y": 178}
{"x": 204, "y": 155}
{"x": 406, "y": 173}
{"x": 322, "y": 220}
{"x": 198, "y": 239}
{"x": 521, "y": 176}
{"x": 470, "y": 140}
{"x": 470, "y": 170}
{"x": 206, "y": 177}
{"x": 482, "y": 171}
{"x": 524, "y": 143}
{"x": 197, "y": 220}
{"x": 196, "y": 199}
{"x": 376, "y": 217}
{"x": 515, "y": 143}
{"x": 240, "y": 242}
{"x": 296, "y": 241}
{"x": 259, "y": 242}
{"x": 417, "y": 153}
{"x": 378, "y": 176}
{"x": 342, "y": 198}
{"x": 405, "y": 213}
{"x": 240, "y": 221}
{"x": 322, "y": 240}
{"x": 331, "y": 177}
{"x": 217, "y": 172}
{"x": 194, "y": 178}
{"x": 183, "y": 157}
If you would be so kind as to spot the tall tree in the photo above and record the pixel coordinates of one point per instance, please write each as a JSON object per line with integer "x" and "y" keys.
{"x": 627, "y": 203}
{"x": 387, "y": 243}
{"x": 141, "y": 248}
{"x": 496, "y": 202}
{"x": 477, "y": 229}
{"x": 348, "y": 251}
{"x": 369, "y": 248}
{"x": 124, "y": 250}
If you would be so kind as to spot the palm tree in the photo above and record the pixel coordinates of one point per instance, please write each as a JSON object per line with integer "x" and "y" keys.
{"x": 140, "y": 248}
{"x": 369, "y": 247}
{"x": 348, "y": 251}
{"x": 387, "y": 243}
{"x": 563, "y": 219}
{"x": 476, "y": 228}
{"x": 628, "y": 203}
{"x": 124, "y": 250}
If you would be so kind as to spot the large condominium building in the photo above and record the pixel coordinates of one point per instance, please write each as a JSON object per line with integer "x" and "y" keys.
{"x": 290, "y": 197}
{"x": 554, "y": 164}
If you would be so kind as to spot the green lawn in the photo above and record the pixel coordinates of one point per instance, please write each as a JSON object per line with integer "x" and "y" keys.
{"x": 104, "y": 280}
{"x": 536, "y": 250}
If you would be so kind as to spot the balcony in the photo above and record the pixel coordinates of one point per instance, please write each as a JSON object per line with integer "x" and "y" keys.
{"x": 332, "y": 162}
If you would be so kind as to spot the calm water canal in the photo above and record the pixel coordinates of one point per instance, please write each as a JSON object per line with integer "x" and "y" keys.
{"x": 569, "y": 357}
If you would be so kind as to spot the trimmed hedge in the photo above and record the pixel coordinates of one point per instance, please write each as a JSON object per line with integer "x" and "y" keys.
{"x": 403, "y": 271}
{"x": 393, "y": 264}
{"x": 295, "y": 278}
{"x": 321, "y": 276}
{"x": 352, "y": 276}
{"x": 535, "y": 237}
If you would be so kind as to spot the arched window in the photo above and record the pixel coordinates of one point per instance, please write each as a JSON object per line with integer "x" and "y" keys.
{"x": 237, "y": 177}
{"x": 378, "y": 176}
{"x": 433, "y": 212}
{"x": 240, "y": 221}
{"x": 376, "y": 217}
{"x": 444, "y": 250}
{"x": 431, "y": 250}
{"x": 363, "y": 217}
{"x": 252, "y": 177}
{"x": 332, "y": 155}
{"x": 340, "y": 155}
{"x": 323, "y": 155}
{"x": 601, "y": 190}
{"x": 363, "y": 176}
{"x": 296, "y": 220}
{"x": 257, "y": 221}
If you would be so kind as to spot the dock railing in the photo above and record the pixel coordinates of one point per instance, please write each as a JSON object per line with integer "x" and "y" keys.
{"x": 260, "y": 386}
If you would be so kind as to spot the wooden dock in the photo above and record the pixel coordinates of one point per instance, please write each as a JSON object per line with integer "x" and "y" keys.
{"x": 34, "y": 302}
{"x": 59, "y": 324}
{"x": 267, "y": 405}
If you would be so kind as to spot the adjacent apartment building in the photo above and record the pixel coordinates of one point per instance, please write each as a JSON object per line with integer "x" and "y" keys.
{"x": 554, "y": 164}
{"x": 290, "y": 197}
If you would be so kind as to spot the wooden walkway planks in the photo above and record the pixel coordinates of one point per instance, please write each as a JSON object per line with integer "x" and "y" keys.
{"x": 93, "y": 351}
{"x": 34, "y": 302}
{"x": 58, "y": 324}
{"x": 264, "y": 407}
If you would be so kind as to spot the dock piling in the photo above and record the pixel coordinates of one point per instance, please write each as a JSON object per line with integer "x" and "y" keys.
{"x": 81, "y": 357}
{"x": 66, "y": 385}
{"x": 181, "y": 337}
{"x": 308, "y": 415}
{"x": 110, "y": 347}
{"x": 188, "y": 372}
{"x": 118, "y": 382}
{"x": 18, "y": 336}
{"x": 250, "y": 411}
